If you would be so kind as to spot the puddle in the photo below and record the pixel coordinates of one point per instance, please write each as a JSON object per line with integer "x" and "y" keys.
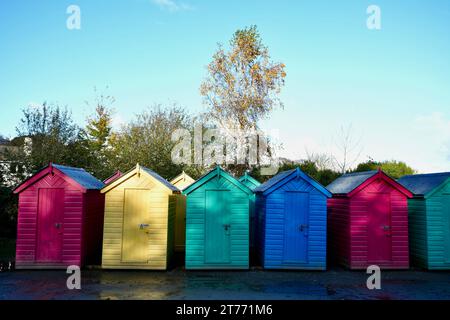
{"x": 179, "y": 284}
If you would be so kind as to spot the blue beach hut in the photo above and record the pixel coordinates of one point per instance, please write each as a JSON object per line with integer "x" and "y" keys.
{"x": 291, "y": 211}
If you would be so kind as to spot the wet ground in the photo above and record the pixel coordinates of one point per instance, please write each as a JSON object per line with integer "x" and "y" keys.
{"x": 234, "y": 285}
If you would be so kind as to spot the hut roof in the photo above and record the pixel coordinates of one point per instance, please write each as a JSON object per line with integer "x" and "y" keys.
{"x": 423, "y": 184}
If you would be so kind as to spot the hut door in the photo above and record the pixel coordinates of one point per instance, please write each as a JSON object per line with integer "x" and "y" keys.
{"x": 296, "y": 227}
{"x": 379, "y": 228}
{"x": 446, "y": 212}
{"x": 217, "y": 227}
{"x": 50, "y": 219}
{"x": 135, "y": 238}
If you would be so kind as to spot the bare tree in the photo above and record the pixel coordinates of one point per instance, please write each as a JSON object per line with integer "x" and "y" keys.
{"x": 323, "y": 160}
{"x": 349, "y": 149}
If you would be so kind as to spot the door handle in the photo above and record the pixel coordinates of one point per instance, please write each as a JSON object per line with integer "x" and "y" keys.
{"x": 143, "y": 225}
{"x": 227, "y": 227}
{"x": 303, "y": 227}
{"x": 58, "y": 225}
{"x": 387, "y": 230}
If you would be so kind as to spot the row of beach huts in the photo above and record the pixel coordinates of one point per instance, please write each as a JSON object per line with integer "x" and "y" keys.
{"x": 139, "y": 220}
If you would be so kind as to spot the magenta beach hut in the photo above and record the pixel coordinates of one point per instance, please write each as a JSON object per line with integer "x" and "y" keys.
{"x": 368, "y": 221}
{"x": 60, "y": 221}
{"x": 113, "y": 177}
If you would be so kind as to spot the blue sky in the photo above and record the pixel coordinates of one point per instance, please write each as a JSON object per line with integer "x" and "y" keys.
{"x": 392, "y": 85}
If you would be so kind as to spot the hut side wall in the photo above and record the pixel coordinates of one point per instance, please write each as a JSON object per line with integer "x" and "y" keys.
{"x": 93, "y": 227}
{"x": 339, "y": 230}
{"x": 180, "y": 223}
{"x": 418, "y": 232}
{"x": 260, "y": 228}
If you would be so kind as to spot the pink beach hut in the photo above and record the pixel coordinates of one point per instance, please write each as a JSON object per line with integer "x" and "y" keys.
{"x": 368, "y": 221}
{"x": 60, "y": 221}
{"x": 113, "y": 177}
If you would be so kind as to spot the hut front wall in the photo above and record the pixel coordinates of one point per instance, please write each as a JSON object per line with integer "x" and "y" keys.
{"x": 182, "y": 184}
{"x": 438, "y": 229}
{"x": 237, "y": 215}
{"x": 28, "y": 225}
{"x": 361, "y": 215}
{"x": 249, "y": 184}
{"x": 277, "y": 231}
{"x": 116, "y": 243}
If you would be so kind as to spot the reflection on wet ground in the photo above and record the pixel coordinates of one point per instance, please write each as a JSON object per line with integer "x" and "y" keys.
{"x": 224, "y": 285}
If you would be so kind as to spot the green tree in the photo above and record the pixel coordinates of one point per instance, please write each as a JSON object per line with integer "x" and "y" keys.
{"x": 395, "y": 169}
{"x": 367, "y": 166}
{"x": 8, "y": 213}
{"x": 99, "y": 128}
{"x": 313, "y": 168}
{"x": 147, "y": 140}
{"x": 53, "y": 137}
{"x": 46, "y": 133}
{"x": 99, "y": 131}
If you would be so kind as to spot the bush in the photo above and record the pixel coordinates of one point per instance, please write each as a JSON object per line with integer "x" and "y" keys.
{"x": 8, "y": 213}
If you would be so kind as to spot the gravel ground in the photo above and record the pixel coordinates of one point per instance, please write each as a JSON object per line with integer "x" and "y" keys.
{"x": 334, "y": 284}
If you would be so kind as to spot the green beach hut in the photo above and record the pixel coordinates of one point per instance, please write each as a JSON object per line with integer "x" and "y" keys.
{"x": 249, "y": 181}
{"x": 429, "y": 219}
{"x": 217, "y": 222}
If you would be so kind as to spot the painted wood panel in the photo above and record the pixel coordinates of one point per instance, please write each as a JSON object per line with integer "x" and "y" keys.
{"x": 438, "y": 238}
{"x": 292, "y": 225}
{"x": 136, "y": 221}
{"x": 182, "y": 181}
{"x": 225, "y": 218}
{"x": 217, "y": 227}
{"x": 377, "y": 214}
{"x": 180, "y": 223}
{"x": 446, "y": 226}
{"x": 418, "y": 232}
{"x": 156, "y": 236}
{"x": 339, "y": 230}
{"x": 50, "y": 222}
{"x": 72, "y": 243}
{"x": 296, "y": 224}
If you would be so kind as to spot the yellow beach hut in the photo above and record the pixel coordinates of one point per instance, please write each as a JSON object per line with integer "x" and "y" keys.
{"x": 181, "y": 181}
{"x": 140, "y": 210}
